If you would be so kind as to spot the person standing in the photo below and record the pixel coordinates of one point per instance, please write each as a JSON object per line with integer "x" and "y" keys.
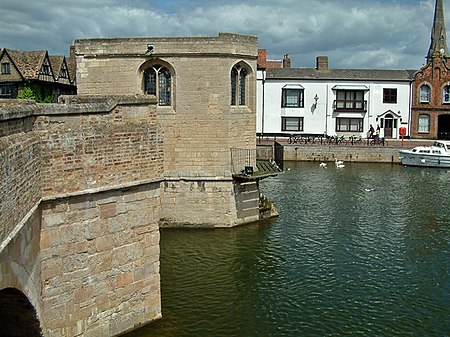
{"x": 371, "y": 131}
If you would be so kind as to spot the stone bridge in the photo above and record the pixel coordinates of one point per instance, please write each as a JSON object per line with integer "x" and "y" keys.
{"x": 80, "y": 205}
{"x": 86, "y": 184}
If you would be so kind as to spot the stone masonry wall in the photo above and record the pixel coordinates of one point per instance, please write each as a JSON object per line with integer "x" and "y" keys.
{"x": 182, "y": 200}
{"x": 374, "y": 154}
{"x": 100, "y": 262}
{"x": 20, "y": 265}
{"x": 200, "y": 126}
{"x": 80, "y": 205}
{"x": 91, "y": 151}
{"x": 20, "y": 165}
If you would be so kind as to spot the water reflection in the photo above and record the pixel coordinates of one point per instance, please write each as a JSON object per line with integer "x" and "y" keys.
{"x": 361, "y": 251}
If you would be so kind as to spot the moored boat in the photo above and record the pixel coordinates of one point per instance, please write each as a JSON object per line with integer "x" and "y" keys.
{"x": 436, "y": 155}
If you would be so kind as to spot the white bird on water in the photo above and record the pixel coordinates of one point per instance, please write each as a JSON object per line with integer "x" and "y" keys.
{"x": 339, "y": 163}
{"x": 323, "y": 165}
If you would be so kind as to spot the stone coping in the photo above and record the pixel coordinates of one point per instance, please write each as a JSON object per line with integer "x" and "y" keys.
{"x": 70, "y": 105}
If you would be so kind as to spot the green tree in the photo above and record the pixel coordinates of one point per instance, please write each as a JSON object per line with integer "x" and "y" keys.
{"x": 36, "y": 93}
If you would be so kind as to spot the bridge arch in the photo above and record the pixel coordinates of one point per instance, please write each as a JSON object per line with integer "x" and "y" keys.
{"x": 18, "y": 317}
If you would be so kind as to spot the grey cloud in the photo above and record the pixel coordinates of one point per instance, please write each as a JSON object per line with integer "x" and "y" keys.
{"x": 364, "y": 33}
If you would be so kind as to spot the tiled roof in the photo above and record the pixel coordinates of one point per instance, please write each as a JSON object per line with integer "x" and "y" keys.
{"x": 72, "y": 67}
{"x": 29, "y": 63}
{"x": 56, "y": 61}
{"x": 339, "y": 74}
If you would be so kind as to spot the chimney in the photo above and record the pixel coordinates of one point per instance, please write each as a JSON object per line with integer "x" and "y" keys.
{"x": 322, "y": 63}
{"x": 262, "y": 54}
{"x": 286, "y": 61}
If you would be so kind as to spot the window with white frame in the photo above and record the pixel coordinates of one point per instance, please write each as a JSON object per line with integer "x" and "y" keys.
{"x": 349, "y": 124}
{"x": 291, "y": 123}
{"x": 446, "y": 94}
{"x": 350, "y": 100}
{"x": 292, "y": 98}
{"x": 238, "y": 85}
{"x": 157, "y": 81}
{"x": 424, "y": 123}
{"x": 425, "y": 93}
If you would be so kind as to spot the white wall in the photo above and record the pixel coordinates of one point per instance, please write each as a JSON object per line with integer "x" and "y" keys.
{"x": 322, "y": 119}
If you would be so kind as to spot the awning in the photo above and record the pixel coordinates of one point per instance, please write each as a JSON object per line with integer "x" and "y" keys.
{"x": 349, "y": 115}
{"x": 293, "y": 86}
{"x": 350, "y": 87}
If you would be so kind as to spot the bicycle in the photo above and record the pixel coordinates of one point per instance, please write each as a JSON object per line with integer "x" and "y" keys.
{"x": 354, "y": 140}
{"x": 335, "y": 140}
{"x": 378, "y": 141}
{"x": 341, "y": 141}
{"x": 294, "y": 139}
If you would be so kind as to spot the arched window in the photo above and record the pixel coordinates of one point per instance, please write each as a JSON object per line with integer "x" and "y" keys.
{"x": 238, "y": 85}
{"x": 424, "y": 93}
{"x": 157, "y": 81}
{"x": 446, "y": 94}
{"x": 424, "y": 123}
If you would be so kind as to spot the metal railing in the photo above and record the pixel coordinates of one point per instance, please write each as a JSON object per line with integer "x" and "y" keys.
{"x": 243, "y": 160}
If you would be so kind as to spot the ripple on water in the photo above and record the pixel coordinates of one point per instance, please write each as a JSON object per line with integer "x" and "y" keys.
{"x": 362, "y": 251}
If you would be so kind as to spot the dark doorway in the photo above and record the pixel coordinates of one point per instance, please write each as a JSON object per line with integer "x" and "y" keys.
{"x": 17, "y": 315}
{"x": 443, "y": 127}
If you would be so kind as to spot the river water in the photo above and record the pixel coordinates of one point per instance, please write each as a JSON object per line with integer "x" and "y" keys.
{"x": 358, "y": 251}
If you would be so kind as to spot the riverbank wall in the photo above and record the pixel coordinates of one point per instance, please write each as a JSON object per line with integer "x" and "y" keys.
{"x": 328, "y": 153}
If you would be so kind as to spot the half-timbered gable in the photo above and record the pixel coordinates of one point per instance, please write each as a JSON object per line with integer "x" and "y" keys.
{"x": 46, "y": 74}
{"x": 60, "y": 69}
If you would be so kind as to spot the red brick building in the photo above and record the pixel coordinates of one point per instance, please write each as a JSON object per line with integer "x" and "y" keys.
{"x": 430, "y": 109}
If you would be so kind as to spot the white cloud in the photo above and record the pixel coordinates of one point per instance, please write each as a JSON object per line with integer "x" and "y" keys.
{"x": 359, "y": 34}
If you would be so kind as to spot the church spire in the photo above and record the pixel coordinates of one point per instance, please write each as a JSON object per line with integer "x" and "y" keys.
{"x": 438, "y": 35}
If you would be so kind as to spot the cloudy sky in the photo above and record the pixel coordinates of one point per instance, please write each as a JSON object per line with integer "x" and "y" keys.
{"x": 376, "y": 34}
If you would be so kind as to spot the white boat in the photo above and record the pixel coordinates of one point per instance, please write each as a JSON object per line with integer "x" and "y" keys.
{"x": 436, "y": 155}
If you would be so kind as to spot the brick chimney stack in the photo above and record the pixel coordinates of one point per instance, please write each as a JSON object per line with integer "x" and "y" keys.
{"x": 286, "y": 61}
{"x": 322, "y": 63}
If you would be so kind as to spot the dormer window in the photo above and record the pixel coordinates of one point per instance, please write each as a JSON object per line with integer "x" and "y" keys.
{"x": 6, "y": 68}
{"x": 425, "y": 94}
{"x": 446, "y": 94}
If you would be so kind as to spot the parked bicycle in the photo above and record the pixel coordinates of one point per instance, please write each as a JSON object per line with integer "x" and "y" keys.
{"x": 295, "y": 139}
{"x": 336, "y": 140}
{"x": 356, "y": 140}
